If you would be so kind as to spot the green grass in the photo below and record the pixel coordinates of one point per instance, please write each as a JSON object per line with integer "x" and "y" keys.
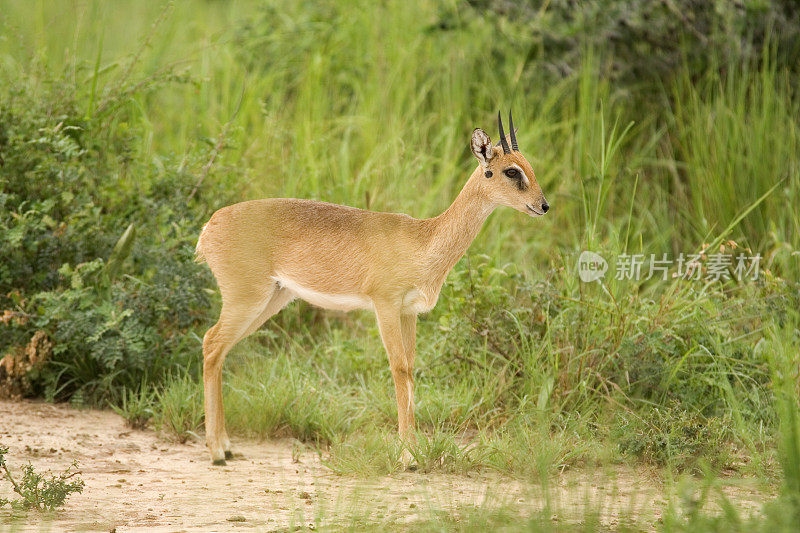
{"x": 179, "y": 408}
{"x": 136, "y": 406}
{"x": 521, "y": 368}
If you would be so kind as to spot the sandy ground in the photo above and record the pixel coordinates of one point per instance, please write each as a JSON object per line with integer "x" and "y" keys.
{"x": 136, "y": 481}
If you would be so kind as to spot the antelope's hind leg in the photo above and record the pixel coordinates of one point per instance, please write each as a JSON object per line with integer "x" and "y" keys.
{"x": 238, "y": 319}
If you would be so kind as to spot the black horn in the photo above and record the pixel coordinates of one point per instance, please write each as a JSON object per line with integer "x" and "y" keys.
{"x": 503, "y": 140}
{"x": 513, "y": 135}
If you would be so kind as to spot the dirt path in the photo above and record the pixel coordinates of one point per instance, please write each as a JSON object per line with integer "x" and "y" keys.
{"x": 135, "y": 481}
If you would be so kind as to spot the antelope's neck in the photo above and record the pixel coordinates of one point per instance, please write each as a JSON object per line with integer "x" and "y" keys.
{"x": 454, "y": 230}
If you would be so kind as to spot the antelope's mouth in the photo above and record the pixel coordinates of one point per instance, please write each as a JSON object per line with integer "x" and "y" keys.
{"x": 535, "y": 211}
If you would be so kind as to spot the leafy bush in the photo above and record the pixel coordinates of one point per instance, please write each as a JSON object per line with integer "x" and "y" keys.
{"x": 115, "y": 315}
{"x": 694, "y": 347}
{"x": 646, "y": 41}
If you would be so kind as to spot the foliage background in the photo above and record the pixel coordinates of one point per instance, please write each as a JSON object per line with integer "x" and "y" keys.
{"x": 654, "y": 127}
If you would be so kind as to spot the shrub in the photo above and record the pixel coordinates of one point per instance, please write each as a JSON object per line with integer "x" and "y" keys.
{"x": 646, "y": 41}
{"x": 97, "y": 249}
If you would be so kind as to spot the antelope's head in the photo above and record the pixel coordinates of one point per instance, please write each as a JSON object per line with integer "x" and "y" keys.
{"x": 508, "y": 177}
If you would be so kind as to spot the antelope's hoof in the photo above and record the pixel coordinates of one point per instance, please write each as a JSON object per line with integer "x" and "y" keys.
{"x": 228, "y": 454}
{"x": 219, "y": 462}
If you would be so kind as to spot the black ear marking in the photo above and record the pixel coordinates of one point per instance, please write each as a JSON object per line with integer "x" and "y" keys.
{"x": 488, "y": 173}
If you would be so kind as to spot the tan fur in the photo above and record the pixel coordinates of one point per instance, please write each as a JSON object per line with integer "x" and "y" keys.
{"x": 264, "y": 253}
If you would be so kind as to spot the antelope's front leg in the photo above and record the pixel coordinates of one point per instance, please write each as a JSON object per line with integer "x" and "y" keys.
{"x": 392, "y": 326}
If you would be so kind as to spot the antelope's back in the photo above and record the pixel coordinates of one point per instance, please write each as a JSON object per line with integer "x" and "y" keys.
{"x": 322, "y": 245}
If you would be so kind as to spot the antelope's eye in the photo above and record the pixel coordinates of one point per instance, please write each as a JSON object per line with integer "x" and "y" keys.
{"x": 512, "y": 172}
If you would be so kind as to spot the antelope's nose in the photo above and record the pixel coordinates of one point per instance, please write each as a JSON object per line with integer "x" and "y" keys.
{"x": 545, "y": 207}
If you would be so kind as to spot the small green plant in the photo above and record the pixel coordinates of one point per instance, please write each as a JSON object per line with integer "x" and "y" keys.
{"x": 136, "y": 407}
{"x": 378, "y": 453}
{"x": 442, "y": 452}
{"x": 179, "y": 408}
{"x": 366, "y": 454}
{"x": 38, "y": 491}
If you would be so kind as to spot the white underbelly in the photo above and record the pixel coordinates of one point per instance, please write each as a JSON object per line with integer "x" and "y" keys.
{"x": 334, "y": 301}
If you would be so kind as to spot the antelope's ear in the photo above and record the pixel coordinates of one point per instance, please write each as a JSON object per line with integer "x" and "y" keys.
{"x": 482, "y": 147}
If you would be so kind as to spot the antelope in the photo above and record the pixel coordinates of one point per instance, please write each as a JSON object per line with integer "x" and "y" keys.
{"x": 265, "y": 253}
